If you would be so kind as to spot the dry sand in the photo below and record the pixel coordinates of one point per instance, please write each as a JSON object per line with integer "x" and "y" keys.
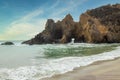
{"x": 103, "y": 70}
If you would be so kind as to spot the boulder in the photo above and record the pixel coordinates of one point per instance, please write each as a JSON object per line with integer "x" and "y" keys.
{"x": 7, "y": 43}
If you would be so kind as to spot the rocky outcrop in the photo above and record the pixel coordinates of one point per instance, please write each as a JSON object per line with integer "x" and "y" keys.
{"x": 59, "y": 32}
{"x": 7, "y": 43}
{"x": 100, "y": 25}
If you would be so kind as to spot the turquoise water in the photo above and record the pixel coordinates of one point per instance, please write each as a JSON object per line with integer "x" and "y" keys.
{"x": 24, "y": 62}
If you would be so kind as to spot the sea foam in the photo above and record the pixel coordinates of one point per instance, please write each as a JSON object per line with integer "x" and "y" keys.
{"x": 54, "y": 66}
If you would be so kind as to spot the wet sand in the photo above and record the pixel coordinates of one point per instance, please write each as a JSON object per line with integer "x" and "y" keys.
{"x": 103, "y": 70}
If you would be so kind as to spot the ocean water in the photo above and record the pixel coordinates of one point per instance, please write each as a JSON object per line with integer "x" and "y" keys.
{"x": 24, "y": 62}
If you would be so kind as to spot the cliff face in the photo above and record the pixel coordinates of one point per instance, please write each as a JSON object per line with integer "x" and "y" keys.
{"x": 59, "y": 32}
{"x": 100, "y": 25}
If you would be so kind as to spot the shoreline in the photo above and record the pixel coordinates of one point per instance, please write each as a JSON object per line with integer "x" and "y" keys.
{"x": 100, "y": 70}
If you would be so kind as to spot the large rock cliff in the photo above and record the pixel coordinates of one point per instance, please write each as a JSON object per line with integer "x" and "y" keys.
{"x": 100, "y": 25}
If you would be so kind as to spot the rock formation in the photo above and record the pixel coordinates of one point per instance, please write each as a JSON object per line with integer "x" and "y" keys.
{"x": 7, "y": 43}
{"x": 100, "y": 25}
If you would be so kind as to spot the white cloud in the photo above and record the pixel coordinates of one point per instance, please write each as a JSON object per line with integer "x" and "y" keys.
{"x": 23, "y": 28}
{"x": 32, "y": 23}
{"x": 32, "y": 15}
{"x": 55, "y": 4}
{"x": 70, "y": 6}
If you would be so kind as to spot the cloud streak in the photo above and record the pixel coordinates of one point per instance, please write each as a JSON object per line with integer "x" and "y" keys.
{"x": 32, "y": 23}
{"x": 24, "y": 28}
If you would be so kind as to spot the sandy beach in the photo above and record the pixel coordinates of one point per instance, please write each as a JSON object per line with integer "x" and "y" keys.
{"x": 102, "y": 70}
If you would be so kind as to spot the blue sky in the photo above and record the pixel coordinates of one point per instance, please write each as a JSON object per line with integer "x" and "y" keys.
{"x": 22, "y": 19}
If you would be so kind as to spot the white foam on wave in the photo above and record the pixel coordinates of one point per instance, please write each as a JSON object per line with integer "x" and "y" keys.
{"x": 69, "y": 63}
{"x": 75, "y": 45}
{"x": 56, "y": 66}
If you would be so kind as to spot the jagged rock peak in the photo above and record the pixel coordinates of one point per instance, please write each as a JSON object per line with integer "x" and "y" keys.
{"x": 68, "y": 17}
{"x": 49, "y": 23}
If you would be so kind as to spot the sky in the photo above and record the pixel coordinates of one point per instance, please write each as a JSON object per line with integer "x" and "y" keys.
{"x": 23, "y": 19}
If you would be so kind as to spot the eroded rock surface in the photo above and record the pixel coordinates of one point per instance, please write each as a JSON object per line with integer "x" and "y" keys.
{"x": 100, "y": 25}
